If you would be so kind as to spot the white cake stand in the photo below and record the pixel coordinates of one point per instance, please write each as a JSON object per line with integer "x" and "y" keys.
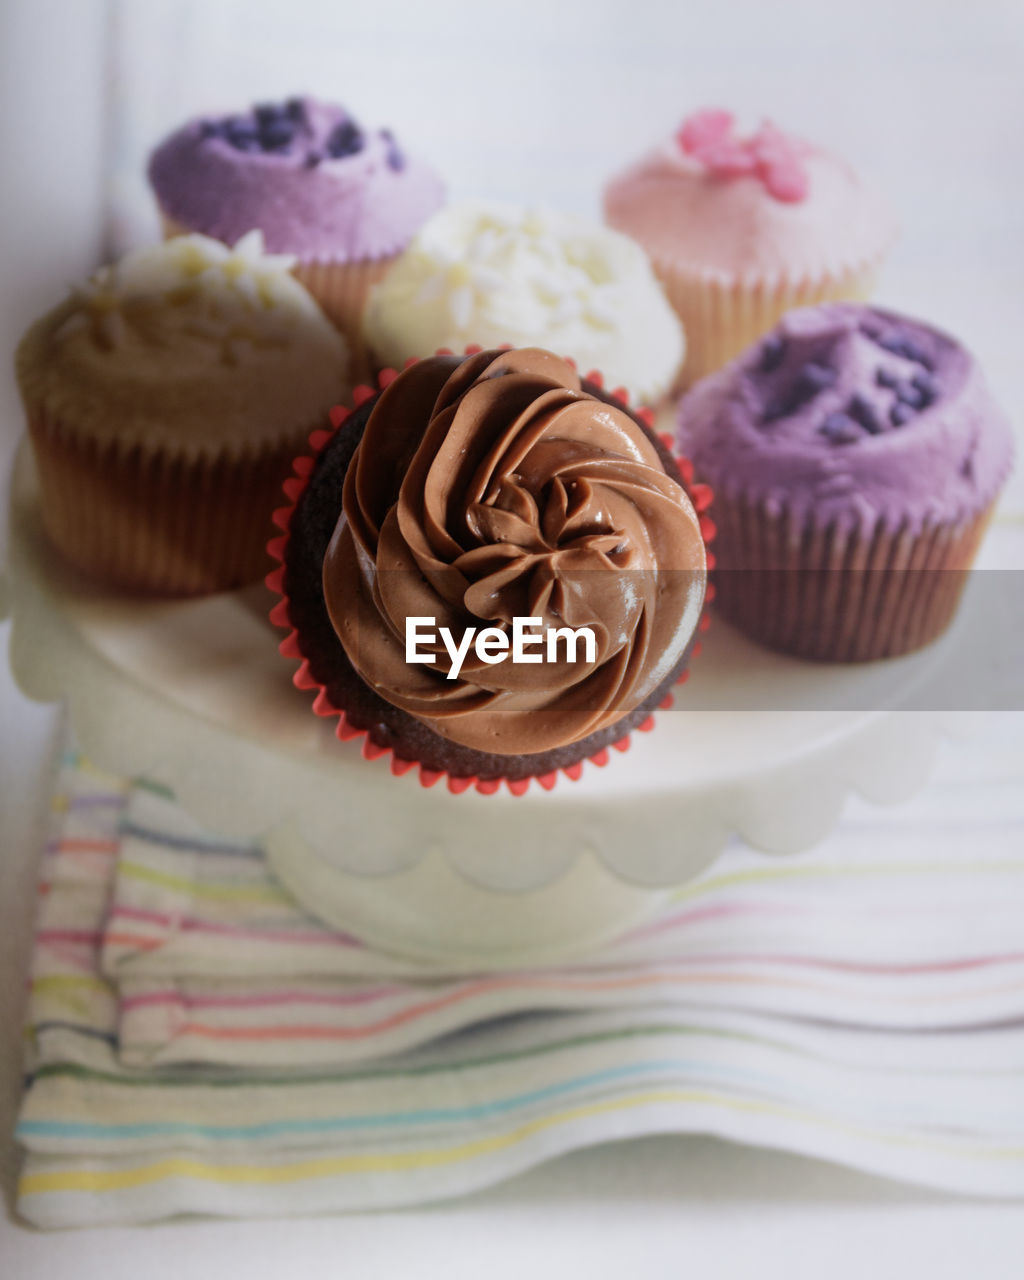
{"x": 195, "y": 695}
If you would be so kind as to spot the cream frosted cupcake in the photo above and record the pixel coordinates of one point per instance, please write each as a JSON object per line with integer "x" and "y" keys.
{"x": 489, "y": 274}
{"x": 166, "y": 399}
{"x": 743, "y": 229}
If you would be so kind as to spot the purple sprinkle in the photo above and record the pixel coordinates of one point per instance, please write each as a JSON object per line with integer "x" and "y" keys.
{"x": 900, "y": 413}
{"x": 817, "y": 376}
{"x": 886, "y": 377}
{"x": 812, "y": 379}
{"x": 916, "y": 353}
{"x": 908, "y": 394}
{"x": 242, "y": 134}
{"x": 840, "y": 428}
{"x": 346, "y": 140}
{"x": 901, "y": 344}
{"x": 926, "y": 384}
{"x": 862, "y": 410}
{"x": 773, "y": 352}
{"x": 313, "y": 158}
{"x": 265, "y": 112}
{"x": 296, "y": 109}
{"x": 277, "y": 134}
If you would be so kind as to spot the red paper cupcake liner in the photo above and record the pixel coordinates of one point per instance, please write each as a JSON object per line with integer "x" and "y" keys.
{"x": 294, "y": 487}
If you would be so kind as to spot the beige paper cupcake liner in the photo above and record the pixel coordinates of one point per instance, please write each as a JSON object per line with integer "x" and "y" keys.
{"x": 838, "y": 595}
{"x": 341, "y": 289}
{"x": 156, "y": 522}
{"x": 722, "y": 319}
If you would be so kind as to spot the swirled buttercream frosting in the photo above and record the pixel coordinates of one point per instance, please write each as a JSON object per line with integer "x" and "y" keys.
{"x": 189, "y": 342}
{"x": 494, "y": 487}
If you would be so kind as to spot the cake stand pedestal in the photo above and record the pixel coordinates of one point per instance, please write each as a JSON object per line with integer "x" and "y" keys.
{"x": 195, "y": 695}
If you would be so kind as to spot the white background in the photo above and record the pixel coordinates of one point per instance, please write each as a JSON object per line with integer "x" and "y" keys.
{"x": 536, "y": 101}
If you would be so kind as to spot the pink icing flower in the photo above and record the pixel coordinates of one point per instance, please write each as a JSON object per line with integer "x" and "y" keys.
{"x": 779, "y": 163}
{"x": 705, "y": 128}
{"x": 769, "y": 155}
{"x": 728, "y": 158}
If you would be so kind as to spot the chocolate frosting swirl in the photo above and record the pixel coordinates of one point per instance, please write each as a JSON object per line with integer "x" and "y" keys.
{"x": 490, "y": 487}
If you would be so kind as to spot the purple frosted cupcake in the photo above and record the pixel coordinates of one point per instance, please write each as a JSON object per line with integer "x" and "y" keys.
{"x": 856, "y": 457}
{"x": 342, "y": 199}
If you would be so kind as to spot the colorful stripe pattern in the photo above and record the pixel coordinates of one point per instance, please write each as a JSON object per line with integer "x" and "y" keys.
{"x": 198, "y": 1044}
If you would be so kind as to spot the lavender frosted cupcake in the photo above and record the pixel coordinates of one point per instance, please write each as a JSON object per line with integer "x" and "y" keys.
{"x": 856, "y": 456}
{"x": 342, "y": 199}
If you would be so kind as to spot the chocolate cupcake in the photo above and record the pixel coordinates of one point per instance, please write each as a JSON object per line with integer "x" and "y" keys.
{"x": 856, "y": 457}
{"x": 470, "y": 493}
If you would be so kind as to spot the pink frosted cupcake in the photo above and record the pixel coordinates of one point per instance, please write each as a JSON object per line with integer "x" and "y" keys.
{"x": 743, "y": 229}
{"x": 343, "y": 200}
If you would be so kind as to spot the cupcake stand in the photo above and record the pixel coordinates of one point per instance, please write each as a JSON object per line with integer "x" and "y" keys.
{"x": 195, "y": 695}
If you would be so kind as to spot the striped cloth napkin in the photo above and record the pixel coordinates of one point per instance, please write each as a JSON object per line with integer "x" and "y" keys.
{"x": 197, "y": 1044}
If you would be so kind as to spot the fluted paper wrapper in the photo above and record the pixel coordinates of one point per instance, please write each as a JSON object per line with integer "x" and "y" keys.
{"x": 340, "y": 288}
{"x": 839, "y": 595}
{"x": 722, "y": 319}
{"x": 156, "y": 520}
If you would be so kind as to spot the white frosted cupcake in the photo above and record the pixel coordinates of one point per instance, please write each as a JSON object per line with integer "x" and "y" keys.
{"x": 490, "y": 274}
{"x": 165, "y": 400}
